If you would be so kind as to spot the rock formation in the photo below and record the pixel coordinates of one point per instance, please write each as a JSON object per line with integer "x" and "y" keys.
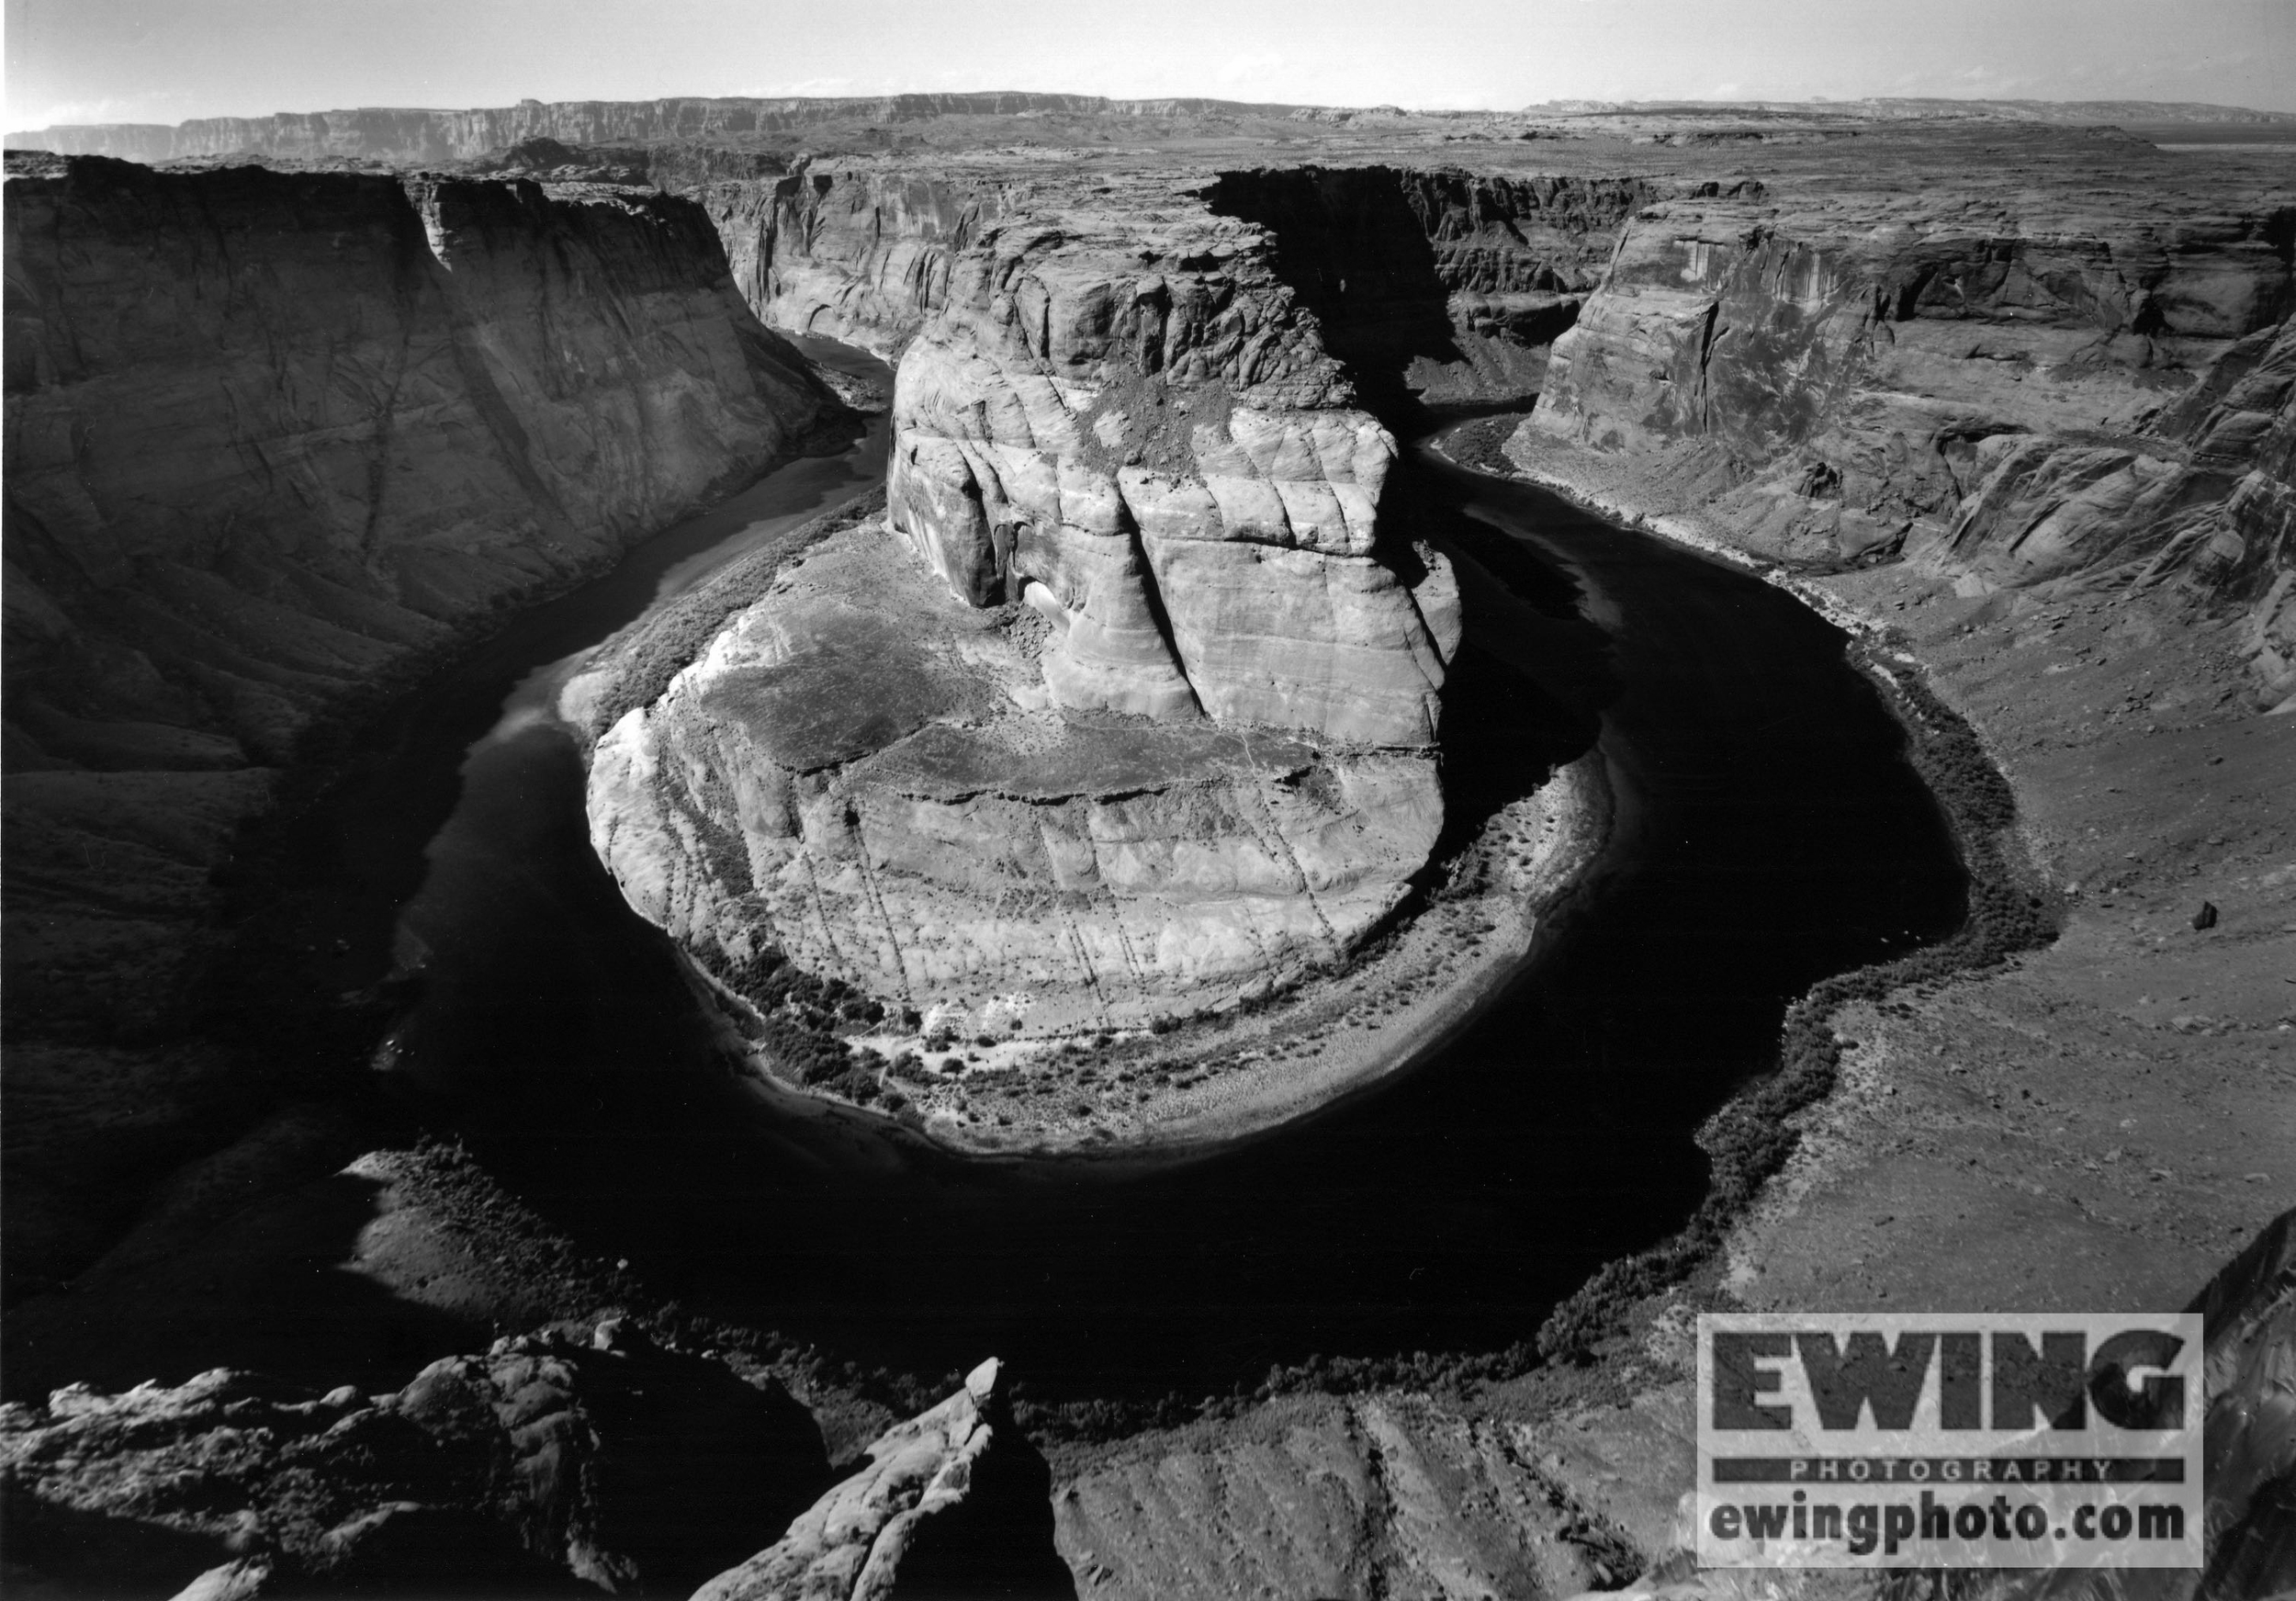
{"x": 2099, "y": 387}
{"x": 1437, "y": 282}
{"x": 861, "y": 254}
{"x": 274, "y": 440}
{"x": 1441, "y": 284}
{"x": 266, "y": 431}
{"x": 610, "y": 1462}
{"x": 1123, "y": 703}
{"x": 953, "y": 1502}
{"x": 1147, "y": 664}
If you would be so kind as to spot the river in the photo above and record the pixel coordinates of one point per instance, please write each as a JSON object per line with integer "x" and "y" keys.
{"x": 1767, "y": 831}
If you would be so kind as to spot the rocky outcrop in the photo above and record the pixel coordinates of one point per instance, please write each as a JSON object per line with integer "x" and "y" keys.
{"x": 1135, "y": 429}
{"x": 273, "y": 440}
{"x": 1148, "y": 661}
{"x": 868, "y": 776}
{"x": 2101, "y": 389}
{"x": 953, "y": 1502}
{"x": 546, "y": 1465}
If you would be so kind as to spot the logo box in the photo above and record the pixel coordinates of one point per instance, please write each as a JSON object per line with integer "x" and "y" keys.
{"x": 1949, "y": 1440}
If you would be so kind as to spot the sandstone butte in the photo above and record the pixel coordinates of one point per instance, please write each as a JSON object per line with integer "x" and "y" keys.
{"x": 1195, "y": 751}
{"x": 2013, "y": 399}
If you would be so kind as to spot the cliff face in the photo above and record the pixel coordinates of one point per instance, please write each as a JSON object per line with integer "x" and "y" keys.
{"x": 265, "y": 431}
{"x": 862, "y": 255}
{"x": 1443, "y": 284}
{"x": 1147, "y": 656}
{"x": 268, "y": 436}
{"x": 2098, "y": 389}
{"x": 1436, "y": 283}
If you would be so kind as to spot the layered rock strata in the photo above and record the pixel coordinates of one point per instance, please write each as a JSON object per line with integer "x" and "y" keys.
{"x": 272, "y": 438}
{"x": 266, "y": 431}
{"x": 1133, "y": 697}
{"x": 2098, "y": 389}
{"x": 870, "y": 777}
{"x": 1435, "y": 282}
{"x": 862, "y": 255}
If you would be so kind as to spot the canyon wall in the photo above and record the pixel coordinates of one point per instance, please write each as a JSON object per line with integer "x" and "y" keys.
{"x": 271, "y": 439}
{"x": 265, "y": 431}
{"x": 2099, "y": 387}
{"x": 860, "y": 255}
{"x": 1439, "y": 284}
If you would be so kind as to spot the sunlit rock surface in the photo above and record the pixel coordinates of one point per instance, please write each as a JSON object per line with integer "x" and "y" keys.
{"x": 1135, "y": 429}
{"x": 954, "y": 1501}
{"x": 2005, "y": 386}
{"x": 1133, "y": 705}
{"x": 870, "y": 775}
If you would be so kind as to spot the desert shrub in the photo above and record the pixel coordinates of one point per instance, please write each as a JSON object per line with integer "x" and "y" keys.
{"x": 652, "y": 653}
{"x": 909, "y": 1065}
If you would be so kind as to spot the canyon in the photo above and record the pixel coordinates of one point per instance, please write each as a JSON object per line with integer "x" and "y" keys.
{"x": 330, "y": 434}
{"x": 1142, "y": 638}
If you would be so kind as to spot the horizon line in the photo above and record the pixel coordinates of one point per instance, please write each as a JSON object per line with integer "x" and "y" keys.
{"x": 1578, "y": 104}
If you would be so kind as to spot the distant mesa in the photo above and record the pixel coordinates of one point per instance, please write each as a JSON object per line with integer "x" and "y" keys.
{"x": 413, "y": 135}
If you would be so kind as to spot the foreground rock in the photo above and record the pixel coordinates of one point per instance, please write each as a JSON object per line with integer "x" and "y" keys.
{"x": 545, "y": 1466}
{"x": 1390, "y": 1495}
{"x": 953, "y": 1502}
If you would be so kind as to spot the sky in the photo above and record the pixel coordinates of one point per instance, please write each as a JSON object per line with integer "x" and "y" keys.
{"x": 166, "y": 60}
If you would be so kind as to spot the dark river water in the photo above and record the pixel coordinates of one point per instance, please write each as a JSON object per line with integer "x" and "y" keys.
{"x": 1767, "y": 832}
